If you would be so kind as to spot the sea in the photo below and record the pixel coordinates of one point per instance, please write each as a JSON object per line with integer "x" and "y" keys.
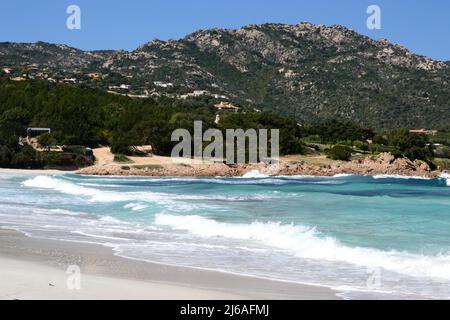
{"x": 381, "y": 237}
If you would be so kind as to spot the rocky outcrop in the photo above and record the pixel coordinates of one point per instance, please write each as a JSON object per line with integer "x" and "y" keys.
{"x": 383, "y": 164}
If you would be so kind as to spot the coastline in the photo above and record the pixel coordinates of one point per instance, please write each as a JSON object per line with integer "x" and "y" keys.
{"x": 32, "y": 268}
{"x": 383, "y": 164}
{"x": 33, "y": 172}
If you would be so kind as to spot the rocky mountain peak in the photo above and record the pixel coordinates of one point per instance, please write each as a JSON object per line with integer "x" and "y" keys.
{"x": 305, "y": 71}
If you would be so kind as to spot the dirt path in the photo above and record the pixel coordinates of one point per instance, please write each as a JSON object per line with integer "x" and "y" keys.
{"x": 104, "y": 157}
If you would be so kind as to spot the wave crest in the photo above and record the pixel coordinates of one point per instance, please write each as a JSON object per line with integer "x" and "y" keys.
{"x": 446, "y": 176}
{"x": 308, "y": 243}
{"x": 98, "y": 195}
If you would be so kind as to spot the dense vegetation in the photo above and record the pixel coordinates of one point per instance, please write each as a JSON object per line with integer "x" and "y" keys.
{"x": 88, "y": 117}
{"x": 85, "y": 117}
{"x": 309, "y": 73}
{"x": 340, "y": 153}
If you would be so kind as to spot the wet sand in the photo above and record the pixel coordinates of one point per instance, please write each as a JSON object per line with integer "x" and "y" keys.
{"x": 33, "y": 268}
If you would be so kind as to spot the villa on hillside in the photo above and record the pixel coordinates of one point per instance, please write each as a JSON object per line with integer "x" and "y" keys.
{"x": 163, "y": 84}
{"x": 226, "y": 106}
{"x": 195, "y": 94}
{"x": 95, "y": 76}
{"x": 18, "y": 79}
{"x": 69, "y": 81}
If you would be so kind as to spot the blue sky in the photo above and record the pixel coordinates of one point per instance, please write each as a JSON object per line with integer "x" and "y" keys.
{"x": 421, "y": 26}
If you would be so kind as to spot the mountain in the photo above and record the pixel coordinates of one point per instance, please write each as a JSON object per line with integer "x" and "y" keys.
{"x": 308, "y": 72}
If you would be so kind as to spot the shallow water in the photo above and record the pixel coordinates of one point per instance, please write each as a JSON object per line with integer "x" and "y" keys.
{"x": 382, "y": 237}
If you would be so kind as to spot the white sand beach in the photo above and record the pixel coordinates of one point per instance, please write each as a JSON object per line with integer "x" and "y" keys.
{"x": 33, "y": 172}
{"x": 36, "y": 269}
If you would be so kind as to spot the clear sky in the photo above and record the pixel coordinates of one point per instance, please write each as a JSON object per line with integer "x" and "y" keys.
{"x": 421, "y": 26}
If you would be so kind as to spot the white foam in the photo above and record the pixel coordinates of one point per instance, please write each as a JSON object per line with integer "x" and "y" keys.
{"x": 65, "y": 212}
{"x": 446, "y": 176}
{"x": 300, "y": 177}
{"x": 308, "y": 243}
{"x": 254, "y": 174}
{"x": 97, "y": 195}
{"x": 46, "y": 182}
{"x": 135, "y": 206}
{"x": 343, "y": 175}
{"x": 396, "y": 176}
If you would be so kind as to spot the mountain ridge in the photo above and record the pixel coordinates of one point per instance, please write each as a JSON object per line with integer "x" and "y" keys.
{"x": 309, "y": 72}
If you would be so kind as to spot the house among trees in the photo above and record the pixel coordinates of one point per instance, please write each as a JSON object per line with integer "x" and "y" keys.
{"x": 69, "y": 80}
{"x": 226, "y": 106}
{"x": 163, "y": 84}
{"x": 31, "y": 131}
{"x": 95, "y": 76}
{"x": 17, "y": 79}
{"x": 125, "y": 87}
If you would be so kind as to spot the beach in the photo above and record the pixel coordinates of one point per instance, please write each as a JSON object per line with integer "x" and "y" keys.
{"x": 32, "y": 172}
{"x": 36, "y": 269}
{"x": 251, "y": 237}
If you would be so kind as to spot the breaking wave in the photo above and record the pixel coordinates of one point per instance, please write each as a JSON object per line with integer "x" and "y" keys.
{"x": 97, "y": 195}
{"x": 307, "y": 243}
{"x": 397, "y": 176}
{"x": 254, "y": 174}
{"x": 446, "y": 176}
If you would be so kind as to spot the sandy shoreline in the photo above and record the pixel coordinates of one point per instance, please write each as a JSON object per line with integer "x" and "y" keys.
{"x": 158, "y": 166}
{"x": 33, "y": 268}
{"x": 33, "y": 172}
{"x": 320, "y": 166}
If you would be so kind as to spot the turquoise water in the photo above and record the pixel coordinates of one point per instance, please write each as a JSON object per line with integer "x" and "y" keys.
{"x": 382, "y": 237}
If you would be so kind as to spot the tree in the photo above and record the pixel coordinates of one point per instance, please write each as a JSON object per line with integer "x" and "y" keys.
{"x": 26, "y": 158}
{"x": 340, "y": 153}
{"x": 46, "y": 140}
{"x": 411, "y": 145}
{"x": 5, "y": 156}
{"x": 333, "y": 131}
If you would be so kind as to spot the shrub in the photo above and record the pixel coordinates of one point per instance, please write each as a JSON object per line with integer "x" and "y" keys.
{"x": 445, "y": 164}
{"x": 377, "y": 148}
{"x": 75, "y": 149}
{"x": 62, "y": 160}
{"x": 26, "y": 158}
{"x": 5, "y": 156}
{"x": 340, "y": 153}
{"x": 46, "y": 140}
{"x": 364, "y": 146}
{"x": 417, "y": 153}
{"x": 122, "y": 158}
{"x": 312, "y": 139}
{"x": 332, "y": 131}
{"x": 443, "y": 152}
{"x": 120, "y": 146}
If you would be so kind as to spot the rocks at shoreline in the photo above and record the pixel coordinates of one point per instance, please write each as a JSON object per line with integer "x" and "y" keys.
{"x": 383, "y": 164}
